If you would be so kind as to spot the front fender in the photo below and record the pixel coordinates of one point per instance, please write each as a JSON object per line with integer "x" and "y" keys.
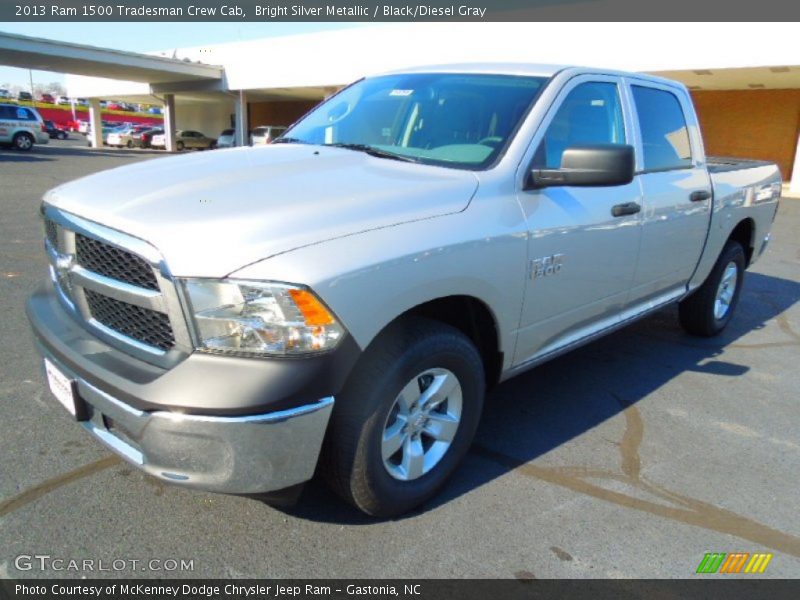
{"x": 371, "y": 278}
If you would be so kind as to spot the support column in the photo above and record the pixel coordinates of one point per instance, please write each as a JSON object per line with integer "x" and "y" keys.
{"x": 169, "y": 121}
{"x": 794, "y": 186}
{"x": 95, "y": 135}
{"x": 241, "y": 119}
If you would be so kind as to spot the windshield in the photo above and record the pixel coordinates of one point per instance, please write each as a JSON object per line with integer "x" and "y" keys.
{"x": 455, "y": 120}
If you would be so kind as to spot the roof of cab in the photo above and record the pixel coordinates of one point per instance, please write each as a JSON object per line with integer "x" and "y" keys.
{"x": 528, "y": 69}
{"x": 534, "y": 70}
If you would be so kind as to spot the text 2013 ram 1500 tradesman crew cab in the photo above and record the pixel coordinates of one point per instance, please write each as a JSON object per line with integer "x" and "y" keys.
{"x": 226, "y": 320}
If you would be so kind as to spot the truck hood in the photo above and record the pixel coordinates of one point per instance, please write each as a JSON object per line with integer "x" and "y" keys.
{"x": 211, "y": 213}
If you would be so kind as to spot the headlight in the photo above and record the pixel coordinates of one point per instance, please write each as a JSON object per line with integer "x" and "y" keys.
{"x": 260, "y": 318}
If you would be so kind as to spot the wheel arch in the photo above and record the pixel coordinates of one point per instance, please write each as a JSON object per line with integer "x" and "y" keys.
{"x": 21, "y": 133}
{"x": 472, "y": 317}
{"x": 744, "y": 233}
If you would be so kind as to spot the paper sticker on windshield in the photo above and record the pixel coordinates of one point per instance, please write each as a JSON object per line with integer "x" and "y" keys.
{"x": 401, "y": 92}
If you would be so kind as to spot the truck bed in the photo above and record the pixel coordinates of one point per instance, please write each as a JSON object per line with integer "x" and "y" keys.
{"x": 722, "y": 164}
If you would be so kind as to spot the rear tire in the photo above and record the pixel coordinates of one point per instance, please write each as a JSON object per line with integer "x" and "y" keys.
{"x": 431, "y": 433}
{"x": 710, "y": 308}
{"x": 23, "y": 141}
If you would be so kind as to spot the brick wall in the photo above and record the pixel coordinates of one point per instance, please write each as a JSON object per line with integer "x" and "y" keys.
{"x": 760, "y": 124}
{"x": 283, "y": 112}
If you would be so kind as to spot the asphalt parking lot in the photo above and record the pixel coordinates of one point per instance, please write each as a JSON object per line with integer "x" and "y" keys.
{"x": 631, "y": 457}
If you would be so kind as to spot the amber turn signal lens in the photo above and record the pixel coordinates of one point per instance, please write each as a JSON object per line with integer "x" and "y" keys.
{"x": 313, "y": 312}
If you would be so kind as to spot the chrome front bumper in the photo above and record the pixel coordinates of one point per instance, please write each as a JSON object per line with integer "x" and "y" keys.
{"x": 234, "y": 455}
{"x": 223, "y": 424}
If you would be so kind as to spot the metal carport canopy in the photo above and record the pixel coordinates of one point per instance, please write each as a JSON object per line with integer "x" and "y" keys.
{"x": 63, "y": 57}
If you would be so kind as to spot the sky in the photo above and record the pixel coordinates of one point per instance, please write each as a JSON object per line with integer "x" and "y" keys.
{"x": 146, "y": 37}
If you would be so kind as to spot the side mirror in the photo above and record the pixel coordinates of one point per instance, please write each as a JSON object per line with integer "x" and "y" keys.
{"x": 590, "y": 165}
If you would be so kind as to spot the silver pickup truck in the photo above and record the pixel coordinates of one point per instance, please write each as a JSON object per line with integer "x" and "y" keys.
{"x": 228, "y": 320}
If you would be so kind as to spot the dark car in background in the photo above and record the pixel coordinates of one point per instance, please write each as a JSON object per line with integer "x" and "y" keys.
{"x": 25, "y": 96}
{"x": 143, "y": 139}
{"x": 54, "y": 131}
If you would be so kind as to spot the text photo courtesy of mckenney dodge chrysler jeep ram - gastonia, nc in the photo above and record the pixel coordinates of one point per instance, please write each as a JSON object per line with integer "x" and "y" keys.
{"x": 344, "y": 297}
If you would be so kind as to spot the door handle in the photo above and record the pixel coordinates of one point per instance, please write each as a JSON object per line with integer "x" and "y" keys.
{"x": 699, "y": 195}
{"x": 627, "y": 208}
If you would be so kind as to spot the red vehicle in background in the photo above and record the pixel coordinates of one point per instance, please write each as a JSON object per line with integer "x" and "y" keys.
{"x": 48, "y": 98}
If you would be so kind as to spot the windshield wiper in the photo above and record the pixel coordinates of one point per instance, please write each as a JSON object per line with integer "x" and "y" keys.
{"x": 373, "y": 151}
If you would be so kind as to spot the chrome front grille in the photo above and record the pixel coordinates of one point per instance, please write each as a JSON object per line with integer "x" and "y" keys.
{"x": 114, "y": 262}
{"x": 142, "y": 324}
{"x": 51, "y": 232}
{"x": 118, "y": 286}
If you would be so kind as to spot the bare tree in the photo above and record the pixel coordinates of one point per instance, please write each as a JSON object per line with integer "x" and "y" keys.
{"x": 55, "y": 88}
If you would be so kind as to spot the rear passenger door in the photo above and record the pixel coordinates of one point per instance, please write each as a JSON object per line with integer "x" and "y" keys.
{"x": 675, "y": 187}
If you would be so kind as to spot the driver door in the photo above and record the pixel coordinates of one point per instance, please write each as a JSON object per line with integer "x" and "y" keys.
{"x": 582, "y": 257}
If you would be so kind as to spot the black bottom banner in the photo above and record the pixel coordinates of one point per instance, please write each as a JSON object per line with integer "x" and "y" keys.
{"x": 423, "y": 589}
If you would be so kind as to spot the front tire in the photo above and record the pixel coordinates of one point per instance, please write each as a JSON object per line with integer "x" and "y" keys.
{"x": 710, "y": 308}
{"x": 406, "y": 417}
{"x": 179, "y": 146}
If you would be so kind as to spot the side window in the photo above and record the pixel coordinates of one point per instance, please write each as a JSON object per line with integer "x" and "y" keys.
{"x": 24, "y": 114}
{"x": 665, "y": 137}
{"x": 590, "y": 114}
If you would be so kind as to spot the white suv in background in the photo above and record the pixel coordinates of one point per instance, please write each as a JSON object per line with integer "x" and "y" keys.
{"x": 21, "y": 126}
{"x": 265, "y": 134}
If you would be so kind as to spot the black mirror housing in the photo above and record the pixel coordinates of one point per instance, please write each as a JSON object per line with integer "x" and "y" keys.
{"x": 589, "y": 166}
